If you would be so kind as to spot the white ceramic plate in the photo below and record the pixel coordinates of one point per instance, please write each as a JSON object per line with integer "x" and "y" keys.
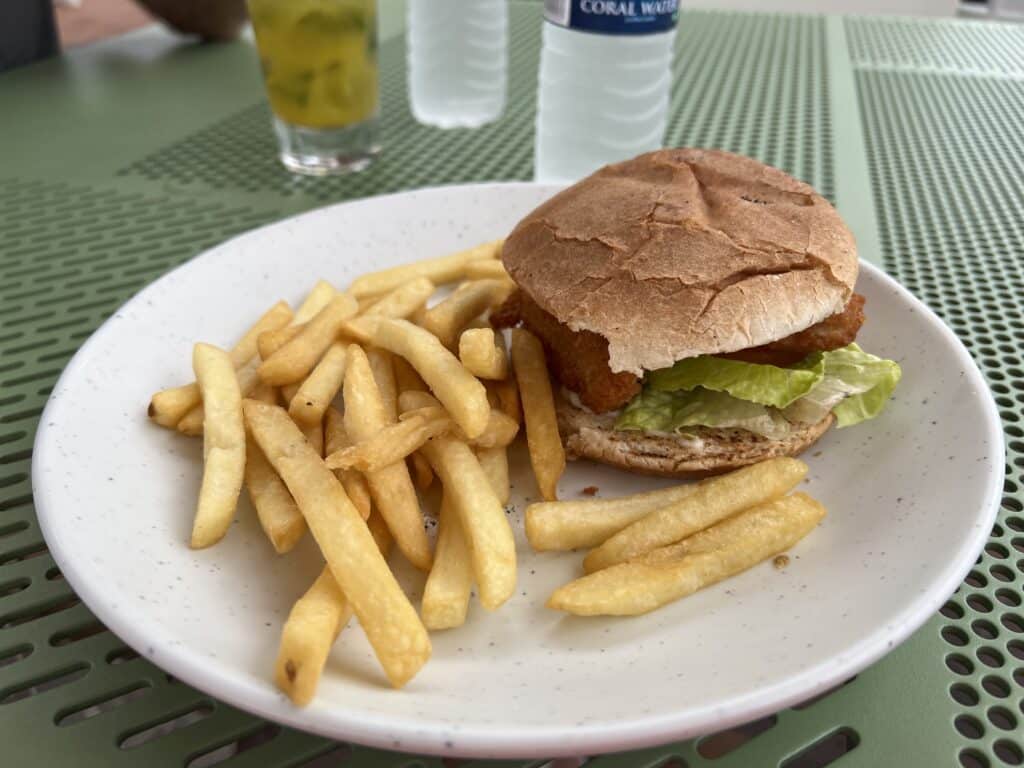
{"x": 911, "y": 498}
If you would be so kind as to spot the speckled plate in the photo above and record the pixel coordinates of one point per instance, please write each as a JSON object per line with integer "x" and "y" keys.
{"x": 911, "y": 498}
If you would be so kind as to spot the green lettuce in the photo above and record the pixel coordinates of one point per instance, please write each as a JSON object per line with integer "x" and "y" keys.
{"x": 764, "y": 399}
{"x": 764, "y": 384}
{"x": 656, "y": 411}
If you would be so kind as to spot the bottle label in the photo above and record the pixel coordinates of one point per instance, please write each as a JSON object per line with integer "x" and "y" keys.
{"x": 613, "y": 17}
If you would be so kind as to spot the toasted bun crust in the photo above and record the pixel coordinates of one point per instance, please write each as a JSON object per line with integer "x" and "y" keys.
{"x": 707, "y": 452}
{"x": 683, "y": 252}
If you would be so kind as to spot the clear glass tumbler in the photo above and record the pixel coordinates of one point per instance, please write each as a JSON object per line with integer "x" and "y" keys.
{"x": 319, "y": 60}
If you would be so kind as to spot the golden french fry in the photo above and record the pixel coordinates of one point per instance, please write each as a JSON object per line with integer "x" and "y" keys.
{"x": 406, "y": 378}
{"x": 248, "y": 379}
{"x": 546, "y": 452}
{"x": 310, "y": 402}
{"x": 507, "y": 394}
{"x": 393, "y": 443}
{"x": 318, "y": 298}
{"x": 310, "y": 630}
{"x": 223, "y": 444}
{"x": 443, "y": 269}
{"x": 447, "y": 319}
{"x": 483, "y": 353}
{"x": 499, "y": 432}
{"x": 482, "y": 516}
{"x": 278, "y": 514}
{"x": 391, "y": 624}
{"x": 313, "y": 625}
{"x": 403, "y": 300}
{"x": 270, "y": 341}
{"x": 293, "y": 362}
{"x": 422, "y": 473}
{"x": 488, "y": 269}
{"x": 354, "y": 483}
{"x": 265, "y": 393}
{"x": 446, "y": 593}
{"x": 562, "y": 525}
{"x": 314, "y": 433}
{"x": 729, "y": 547}
{"x": 391, "y": 487}
{"x": 713, "y": 500}
{"x": 169, "y": 406}
{"x": 384, "y": 375}
{"x": 495, "y": 465}
{"x": 462, "y": 394}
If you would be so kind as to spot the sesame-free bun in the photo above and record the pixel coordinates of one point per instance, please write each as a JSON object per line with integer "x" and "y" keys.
{"x": 684, "y": 252}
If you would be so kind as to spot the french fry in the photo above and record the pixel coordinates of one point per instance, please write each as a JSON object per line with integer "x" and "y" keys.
{"x": 563, "y": 525}
{"x": 169, "y": 406}
{"x": 278, "y": 514}
{"x": 421, "y": 471}
{"x": 318, "y": 298}
{"x": 320, "y": 388}
{"x": 265, "y": 393}
{"x": 390, "y": 622}
{"x": 659, "y": 577}
{"x": 390, "y": 487}
{"x": 443, "y": 269}
{"x": 446, "y": 593}
{"x": 447, "y": 319}
{"x": 223, "y": 444}
{"x": 495, "y": 465}
{"x": 406, "y": 378}
{"x": 459, "y": 391}
{"x": 507, "y": 394}
{"x": 393, "y": 443}
{"x": 354, "y": 483}
{"x": 499, "y": 432}
{"x": 314, "y": 433}
{"x": 483, "y": 353}
{"x": 384, "y": 375}
{"x": 711, "y": 501}
{"x": 270, "y": 341}
{"x": 488, "y": 269}
{"x": 293, "y": 362}
{"x": 546, "y": 452}
{"x": 313, "y": 625}
{"x": 482, "y": 516}
{"x": 403, "y": 300}
{"x": 248, "y": 379}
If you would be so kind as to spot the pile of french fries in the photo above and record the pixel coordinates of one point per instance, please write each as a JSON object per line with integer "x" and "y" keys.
{"x": 429, "y": 393}
{"x": 654, "y": 548}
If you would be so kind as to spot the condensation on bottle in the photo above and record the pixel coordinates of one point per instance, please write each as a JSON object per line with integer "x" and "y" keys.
{"x": 457, "y": 61}
{"x": 604, "y": 83}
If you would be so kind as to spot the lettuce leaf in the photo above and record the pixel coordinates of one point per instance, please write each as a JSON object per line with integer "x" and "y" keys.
{"x": 656, "y": 411}
{"x": 764, "y": 384}
{"x": 856, "y": 386}
{"x": 764, "y": 399}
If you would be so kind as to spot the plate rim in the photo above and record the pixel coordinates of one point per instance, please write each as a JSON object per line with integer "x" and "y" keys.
{"x": 509, "y": 741}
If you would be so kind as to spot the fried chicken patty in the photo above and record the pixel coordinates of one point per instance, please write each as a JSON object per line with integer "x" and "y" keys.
{"x": 579, "y": 359}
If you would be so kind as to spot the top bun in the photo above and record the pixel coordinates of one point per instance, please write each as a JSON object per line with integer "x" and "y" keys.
{"x": 684, "y": 252}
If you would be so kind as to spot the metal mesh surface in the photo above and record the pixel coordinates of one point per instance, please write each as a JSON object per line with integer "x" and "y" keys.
{"x": 945, "y": 160}
{"x": 952, "y": 221}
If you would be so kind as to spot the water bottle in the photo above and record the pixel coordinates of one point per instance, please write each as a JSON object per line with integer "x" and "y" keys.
{"x": 605, "y": 76}
{"x": 457, "y": 61}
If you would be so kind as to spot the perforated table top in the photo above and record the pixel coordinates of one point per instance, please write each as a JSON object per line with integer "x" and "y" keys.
{"x": 125, "y": 159}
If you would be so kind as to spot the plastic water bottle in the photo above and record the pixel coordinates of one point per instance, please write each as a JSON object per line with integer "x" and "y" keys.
{"x": 603, "y": 91}
{"x": 457, "y": 61}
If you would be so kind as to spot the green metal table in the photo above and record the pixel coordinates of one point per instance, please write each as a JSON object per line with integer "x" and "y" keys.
{"x": 122, "y": 160}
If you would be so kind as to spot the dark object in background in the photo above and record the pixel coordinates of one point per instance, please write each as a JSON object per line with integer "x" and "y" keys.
{"x": 27, "y": 32}
{"x": 210, "y": 19}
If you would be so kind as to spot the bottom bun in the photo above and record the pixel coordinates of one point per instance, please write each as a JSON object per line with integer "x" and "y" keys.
{"x": 702, "y": 451}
